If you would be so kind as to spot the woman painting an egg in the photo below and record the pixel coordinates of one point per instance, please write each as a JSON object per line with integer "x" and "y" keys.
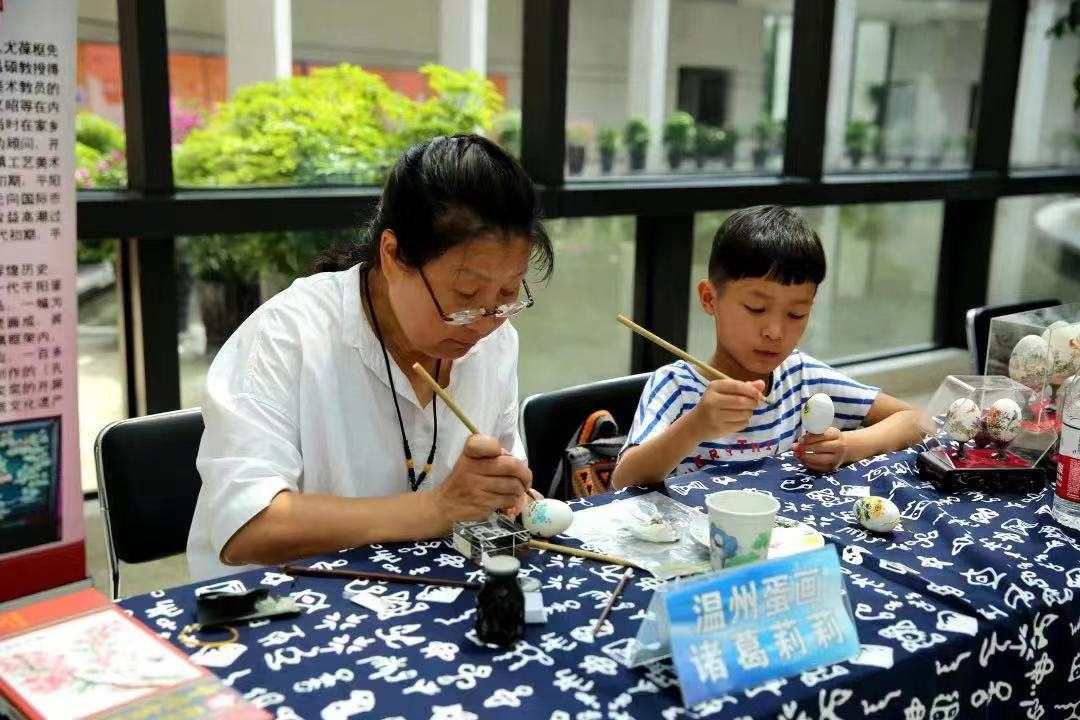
{"x": 320, "y": 435}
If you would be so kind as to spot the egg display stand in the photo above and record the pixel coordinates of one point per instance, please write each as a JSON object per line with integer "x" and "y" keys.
{"x": 482, "y": 539}
{"x": 985, "y": 469}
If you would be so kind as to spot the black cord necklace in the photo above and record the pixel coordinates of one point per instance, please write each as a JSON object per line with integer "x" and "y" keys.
{"x": 414, "y": 481}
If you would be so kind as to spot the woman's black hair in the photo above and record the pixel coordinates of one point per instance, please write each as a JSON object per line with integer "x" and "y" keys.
{"x": 770, "y": 242}
{"x": 444, "y": 191}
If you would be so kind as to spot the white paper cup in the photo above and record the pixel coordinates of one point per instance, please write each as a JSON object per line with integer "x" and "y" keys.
{"x": 740, "y": 525}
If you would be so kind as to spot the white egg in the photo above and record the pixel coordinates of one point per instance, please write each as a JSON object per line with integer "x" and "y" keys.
{"x": 1029, "y": 362}
{"x": 547, "y": 517}
{"x": 877, "y": 514}
{"x": 962, "y": 419}
{"x": 1002, "y": 420}
{"x": 818, "y": 413}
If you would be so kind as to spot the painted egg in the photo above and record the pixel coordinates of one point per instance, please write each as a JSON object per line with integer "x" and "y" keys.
{"x": 1002, "y": 420}
{"x": 962, "y": 419}
{"x": 818, "y": 413}
{"x": 1051, "y": 328}
{"x": 1064, "y": 341}
{"x": 1030, "y": 361}
{"x": 877, "y": 514}
{"x": 547, "y": 517}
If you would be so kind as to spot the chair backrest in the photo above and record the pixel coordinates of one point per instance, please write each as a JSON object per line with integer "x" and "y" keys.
{"x": 147, "y": 484}
{"x": 549, "y": 419}
{"x": 978, "y": 327}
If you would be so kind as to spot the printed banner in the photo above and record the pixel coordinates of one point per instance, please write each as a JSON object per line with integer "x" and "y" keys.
{"x": 741, "y": 627}
{"x": 41, "y": 528}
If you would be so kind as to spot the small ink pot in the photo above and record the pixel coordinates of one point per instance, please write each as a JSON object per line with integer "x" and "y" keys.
{"x": 500, "y": 604}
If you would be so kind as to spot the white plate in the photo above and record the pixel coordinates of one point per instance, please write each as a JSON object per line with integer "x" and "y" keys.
{"x": 788, "y": 537}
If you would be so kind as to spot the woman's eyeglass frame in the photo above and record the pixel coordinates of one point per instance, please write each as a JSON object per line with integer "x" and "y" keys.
{"x": 469, "y": 316}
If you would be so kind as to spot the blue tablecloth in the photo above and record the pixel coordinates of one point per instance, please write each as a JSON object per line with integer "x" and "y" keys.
{"x": 968, "y": 611}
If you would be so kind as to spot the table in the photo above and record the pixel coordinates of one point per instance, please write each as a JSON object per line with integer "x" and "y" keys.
{"x": 967, "y": 611}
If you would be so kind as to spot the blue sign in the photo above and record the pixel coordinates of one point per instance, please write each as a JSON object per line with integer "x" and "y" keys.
{"x": 743, "y": 626}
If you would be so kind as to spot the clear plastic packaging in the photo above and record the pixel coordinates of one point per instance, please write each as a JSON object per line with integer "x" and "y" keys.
{"x": 1039, "y": 349}
{"x": 482, "y": 539}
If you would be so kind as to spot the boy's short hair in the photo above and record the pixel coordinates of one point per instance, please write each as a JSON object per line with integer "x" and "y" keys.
{"x": 770, "y": 242}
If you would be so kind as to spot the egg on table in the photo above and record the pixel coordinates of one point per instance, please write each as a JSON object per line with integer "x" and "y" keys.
{"x": 1029, "y": 362}
{"x": 962, "y": 419}
{"x": 547, "y": 517}
{"x": 818, "y": 413}
{"x": 1002, "y": 420}
{"x": 877, "y": 514}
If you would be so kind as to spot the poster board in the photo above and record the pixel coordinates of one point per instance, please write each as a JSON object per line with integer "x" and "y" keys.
{"x": 41, "y": 523}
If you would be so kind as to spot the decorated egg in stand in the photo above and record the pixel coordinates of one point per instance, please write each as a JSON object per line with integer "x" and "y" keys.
{"x": 547, "y": 517}
{"x": 1051, "y": 329}
{"x": 1002, "y": 420}
{"x": 1064, "y": 340}
{"x": 818, "y": 413}
{"x": 1029, "y": 362}
{"x": 877, "y": 514}
{"x": 962, "y": 420}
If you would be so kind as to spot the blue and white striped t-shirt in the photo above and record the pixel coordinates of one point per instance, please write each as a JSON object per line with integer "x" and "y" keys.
{"x": 774, "y": 427}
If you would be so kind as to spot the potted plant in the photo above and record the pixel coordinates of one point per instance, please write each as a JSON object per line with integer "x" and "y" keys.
{"x": 678, "y": 137}
{"x": 726, "y": 147}
{"x": 577, "y": 142}
{"x": 704, "y": 138}
{"x": 607, "y": 141}
{"x": 858, "y": 140}
{"x": 941, "y": 149}
{"x": 636, "y": 139}
{"x": 337, "y": 125}
{"x": 507, "y": 131}
{"x": 906, "y": 146}
{"x": 766, "y": 134}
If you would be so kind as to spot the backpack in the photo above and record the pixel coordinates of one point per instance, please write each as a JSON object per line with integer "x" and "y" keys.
{"x": 589, "y": 458}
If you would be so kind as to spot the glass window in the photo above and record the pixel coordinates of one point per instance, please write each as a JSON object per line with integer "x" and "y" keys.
{"x": 332, "y": 92}
{"x": 882, "y": 260}
{"x": 99, "y": 134}
{"x": 679, "y": 86}
{"x": 102, "y": 387}
{"x": 904, "y": 88}
{"x": 1046, "y": 131}
{"x": 1036, "y": 251}
{"x": 568, "y": 337}
{"x": 221, "y": 279}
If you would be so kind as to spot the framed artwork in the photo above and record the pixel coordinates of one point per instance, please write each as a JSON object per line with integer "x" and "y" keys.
{"x": 29, "y": 483}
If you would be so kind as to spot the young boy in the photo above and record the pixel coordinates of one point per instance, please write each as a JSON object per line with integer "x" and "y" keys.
{"x": 764, "y": 270}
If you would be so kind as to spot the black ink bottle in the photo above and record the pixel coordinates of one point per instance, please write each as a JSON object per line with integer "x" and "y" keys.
{"x": 500, "y": 604}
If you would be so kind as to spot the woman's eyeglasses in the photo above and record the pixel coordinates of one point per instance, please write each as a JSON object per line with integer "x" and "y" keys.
{"x": 471, "y": 315}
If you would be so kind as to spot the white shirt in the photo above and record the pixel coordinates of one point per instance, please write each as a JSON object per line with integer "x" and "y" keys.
{"x": 774, "y": 427}
{"x": 298, "y": 399}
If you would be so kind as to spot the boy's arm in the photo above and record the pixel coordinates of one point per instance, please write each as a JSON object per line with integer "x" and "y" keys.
{"x": 654, "y": 459}
{"x": 725, "y": 407}
{"x": 890, "y": 424}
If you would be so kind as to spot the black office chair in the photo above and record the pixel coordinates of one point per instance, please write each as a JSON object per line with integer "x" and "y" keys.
{"x": 148, "y": 485}
{"x": 978, "y": 327}
{"x": 549, "y": 419}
